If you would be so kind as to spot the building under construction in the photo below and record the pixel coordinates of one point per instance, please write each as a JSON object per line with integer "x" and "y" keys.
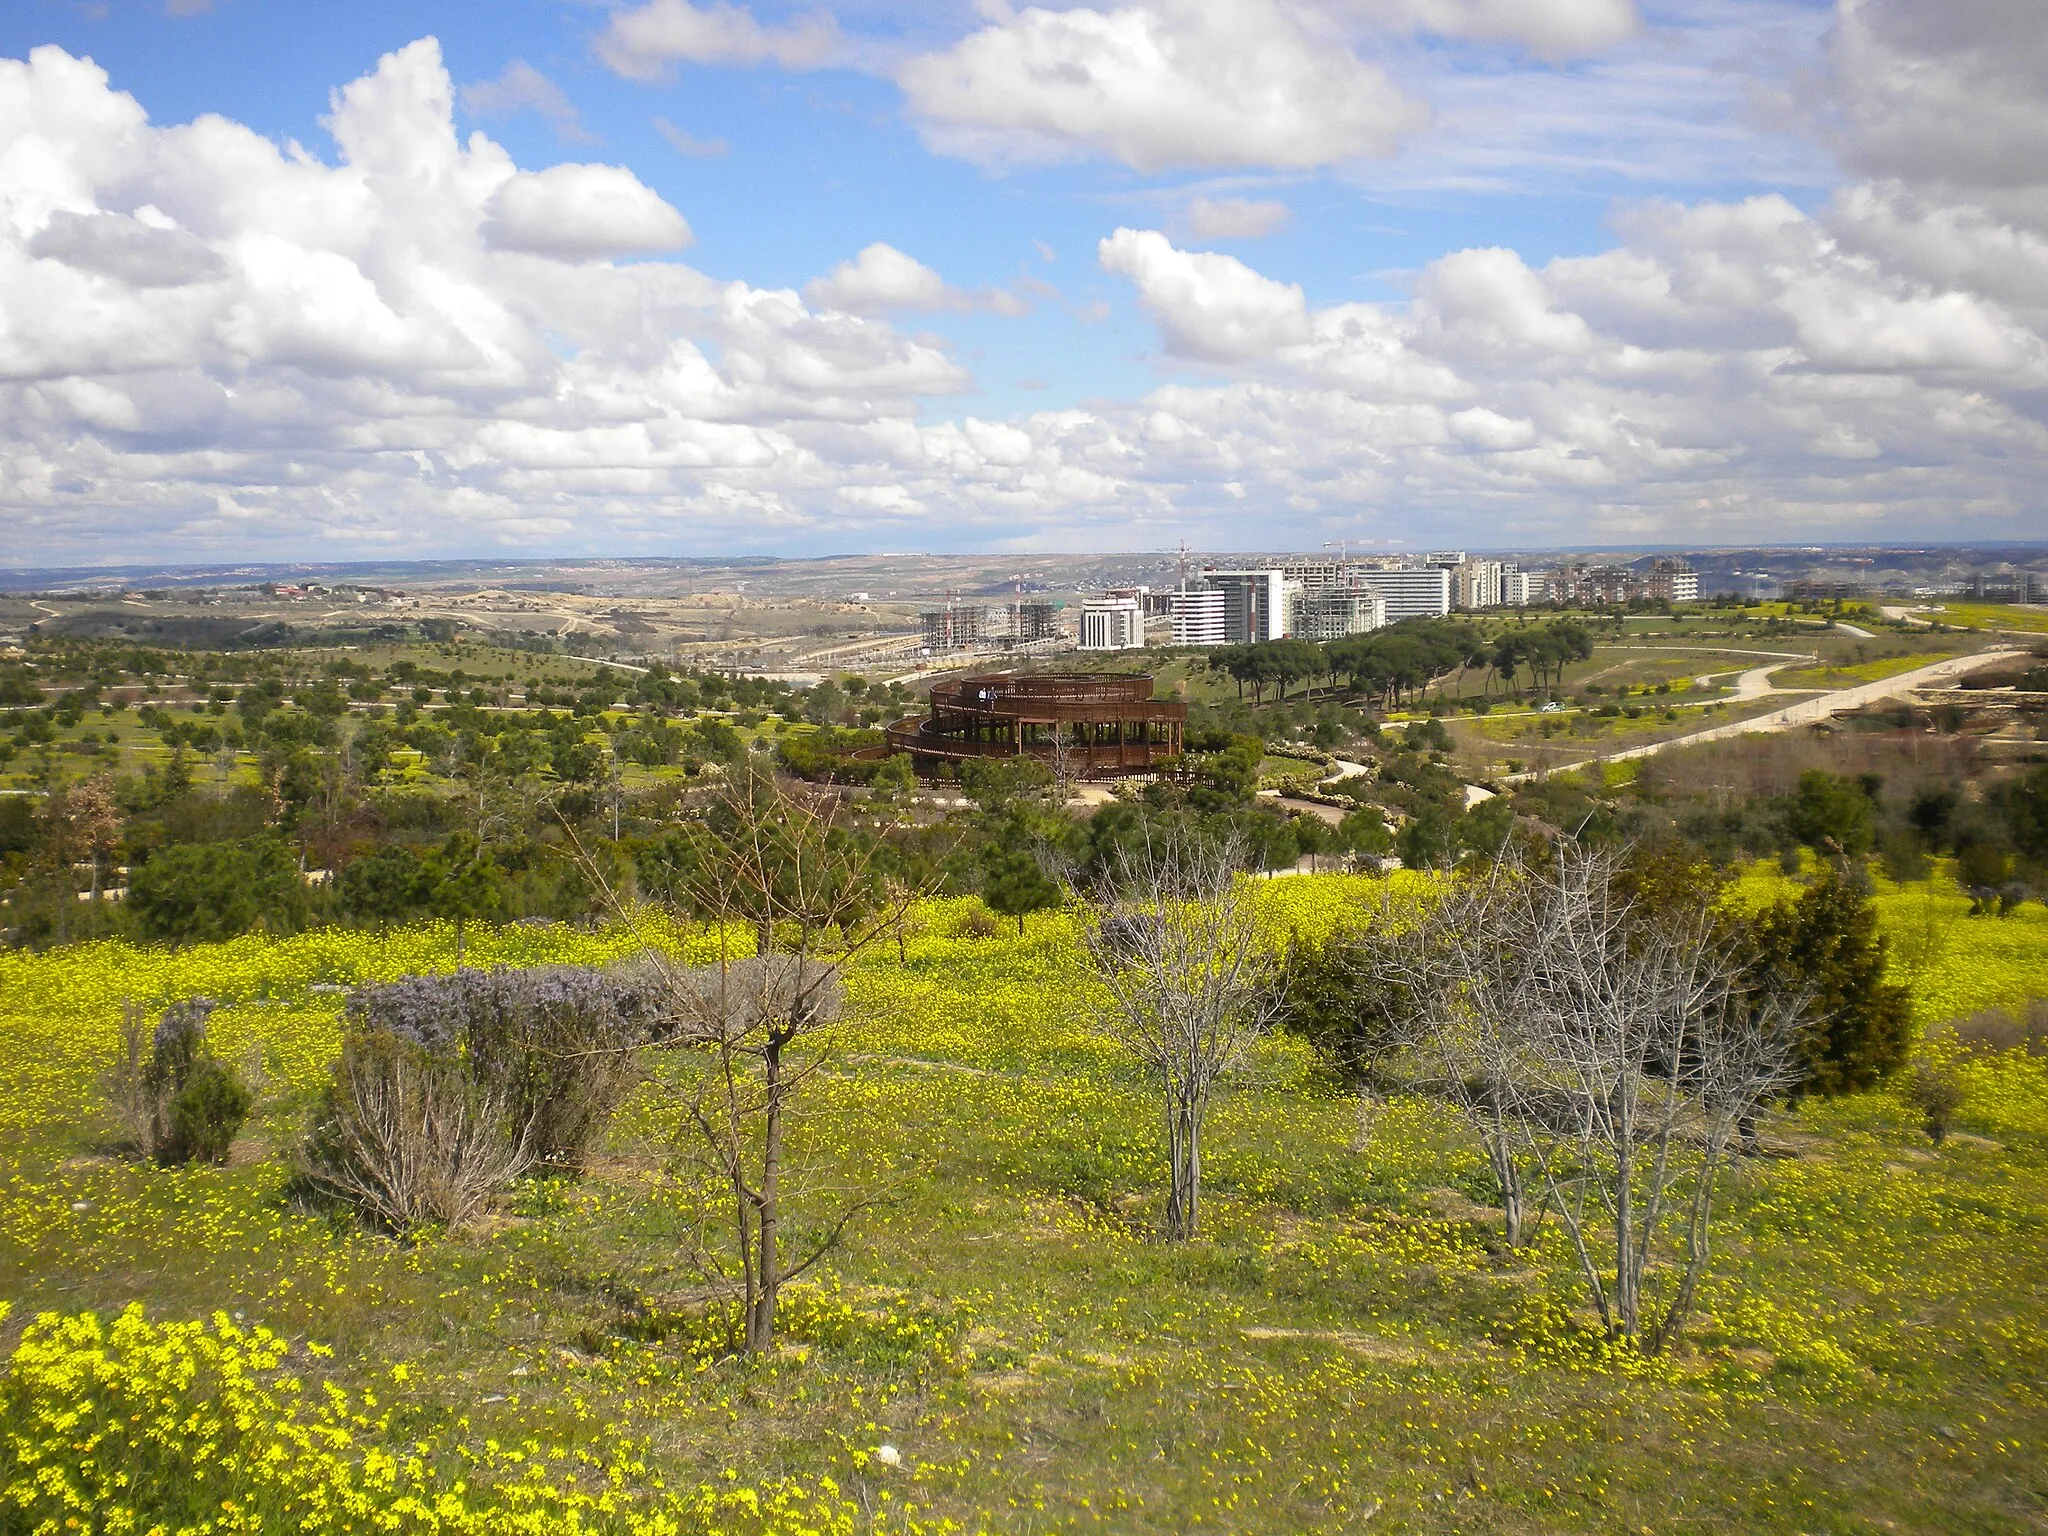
{"x": 1079, "y": 725}
{"x": 951, "y": 628}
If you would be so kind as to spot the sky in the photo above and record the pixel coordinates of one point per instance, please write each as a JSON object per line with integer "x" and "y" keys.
{"x": 658, "y": 277}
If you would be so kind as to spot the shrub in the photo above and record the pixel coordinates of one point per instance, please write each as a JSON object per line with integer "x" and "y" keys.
{"x": 1831, "y": 813}
{"x": 406, "y": 1136}
{"x": 1997, "y": 1029}
{"x": 386, "y": 886}
{"x": 552, "y": 1046}
{"x": 977, "y": 923}
{"x": 173, "y": 1098}
{"x": 206, "y": 1114}
{"x": 1937, "y": 1093}
{"x": 200, "y": 893}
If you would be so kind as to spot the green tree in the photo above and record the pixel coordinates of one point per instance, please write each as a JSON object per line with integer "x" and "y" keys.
{"x": 1364, "y": 830}
{"x": 1831, "y": 814}
{"x": 2024, "y": 804}
{"x": 462, "y": 883}
{"x": 1014, "y": 885}
{"x": 997, "y": 785}
{"x": 1334, "y": 998}
{"x": 386, "y": 886}
{"x": 1430, "y": 839}
{"x": 196, "y": 893}
{"x": 1484, "y": 829}
{"x": 1826, "y": 943}
{"x": 824, "y": 703}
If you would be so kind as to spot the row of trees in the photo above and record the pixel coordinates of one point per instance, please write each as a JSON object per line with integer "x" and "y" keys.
{"x": 1402, "y": 662}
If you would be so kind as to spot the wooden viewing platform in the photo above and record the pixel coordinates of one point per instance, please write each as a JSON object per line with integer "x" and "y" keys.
{"x": 1093, "y": 727}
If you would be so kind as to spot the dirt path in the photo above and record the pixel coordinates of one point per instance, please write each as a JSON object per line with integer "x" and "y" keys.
{"x": 1805, "y": 712}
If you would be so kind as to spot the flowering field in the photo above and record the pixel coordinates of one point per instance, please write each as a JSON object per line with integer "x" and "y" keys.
{"x": 1345, "y": 1345}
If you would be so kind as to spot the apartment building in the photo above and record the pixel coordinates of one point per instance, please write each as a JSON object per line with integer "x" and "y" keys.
{"x": 1672, "y": 581}
{"x": 1112, "y": 624}
{"x": 1476, "y": 584}
{"x": 1199, "y": 617}
{"x": 1409, "y": 592}
{"x": 1256, "y": 604}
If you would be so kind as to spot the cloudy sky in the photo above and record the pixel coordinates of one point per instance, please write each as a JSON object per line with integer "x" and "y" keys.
{"x": 297, "y": 281}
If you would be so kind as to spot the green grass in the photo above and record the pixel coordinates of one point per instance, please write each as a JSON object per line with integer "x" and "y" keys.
{"x": 1849, "y": 674}
{"x": 1994, "y": 616}
{"x": 1344, "y": 1344}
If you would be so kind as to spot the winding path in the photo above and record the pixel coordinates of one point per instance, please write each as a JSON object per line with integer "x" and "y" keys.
{"x": 1805, "y": 712}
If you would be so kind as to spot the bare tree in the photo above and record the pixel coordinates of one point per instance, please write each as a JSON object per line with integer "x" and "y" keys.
{"x": 1175, "y": 937}
{"x": 1633, "y": 1052}
{"x": 1434, "y": 1007}
{"x": 1606, "y": 1048}
{"x": 792, "y": 898}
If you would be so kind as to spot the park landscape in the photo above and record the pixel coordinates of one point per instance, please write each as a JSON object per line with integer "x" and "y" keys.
{"x": 1000, "y": 1313}
{"x": 1175, "y": 768}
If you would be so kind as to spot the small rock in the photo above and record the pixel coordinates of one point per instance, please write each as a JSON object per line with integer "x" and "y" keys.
{"x": 888, "y": 1456}
{"x": 81, "y": 1205}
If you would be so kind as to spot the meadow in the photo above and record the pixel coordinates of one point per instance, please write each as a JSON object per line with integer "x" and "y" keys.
{"x": 2007, "y": 618}
{"x": 1000, "y": 1343}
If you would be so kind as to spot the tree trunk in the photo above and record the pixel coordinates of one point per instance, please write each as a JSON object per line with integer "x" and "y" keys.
{"x": 767, "y": 1259}
{"x": 1501, "y": 1154}
{"x": 1626, "y": 1298}
{"x": 1184, "y": 1153}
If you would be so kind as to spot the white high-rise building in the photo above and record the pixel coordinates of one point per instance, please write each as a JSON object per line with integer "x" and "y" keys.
{"x": 1517, "y": 588}
{"x": 1112, "y": 624}
{"x": 1476, "y": 584}
{"x": 1255, "y": 603}
{"x": 1410, "y": 592}
{"x": 1199, "y": 618}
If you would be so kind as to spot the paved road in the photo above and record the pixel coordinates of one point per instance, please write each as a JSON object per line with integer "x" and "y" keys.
{"x": 1805, "y": 712}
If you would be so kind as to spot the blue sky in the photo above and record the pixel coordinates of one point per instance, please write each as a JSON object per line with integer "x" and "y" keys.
{"x": 1729, "y": 294}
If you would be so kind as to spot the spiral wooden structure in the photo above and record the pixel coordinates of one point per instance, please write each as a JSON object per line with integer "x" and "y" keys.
{"x": 1094, "y": 727}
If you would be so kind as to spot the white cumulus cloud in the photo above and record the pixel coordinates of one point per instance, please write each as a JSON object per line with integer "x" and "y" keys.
{"x": 1166, "y": 84}
{"x": 880, "y": 278}
{"x": 406, "y": 342}
{"x": 645, "y": 41}
{"x": 1208, "y": 305}
{"x": 583, "y": 211}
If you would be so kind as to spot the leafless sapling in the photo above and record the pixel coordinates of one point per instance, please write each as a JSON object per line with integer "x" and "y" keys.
{"x": 1638, "y": 1049}
{"x": 1192, "y": 984}
{"x": 1438, "y": 976}
{"x": 792, "y": 898}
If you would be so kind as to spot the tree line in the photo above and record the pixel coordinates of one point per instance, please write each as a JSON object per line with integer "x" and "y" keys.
{"x": 1401, "y": 663}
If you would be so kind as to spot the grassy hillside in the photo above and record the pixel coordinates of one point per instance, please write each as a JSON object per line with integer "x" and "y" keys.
{"x": 1346, "y": 1343}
